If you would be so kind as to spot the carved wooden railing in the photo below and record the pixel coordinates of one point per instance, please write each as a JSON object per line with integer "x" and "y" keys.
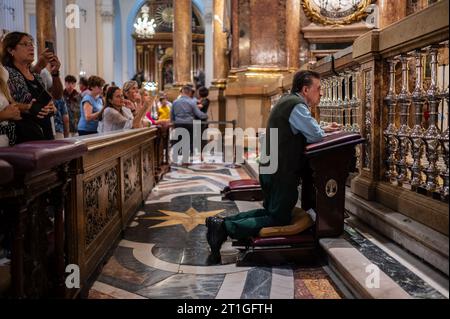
{"x": 110, "y": 183}
{"x": 106, "y": 187}
{"x": 32, "y": 217}
{"x": 162, "y": 152}
{"x": 68, "y": 203}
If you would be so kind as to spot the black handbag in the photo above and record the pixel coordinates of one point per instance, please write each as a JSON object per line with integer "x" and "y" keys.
{"x": 27, "y": 129}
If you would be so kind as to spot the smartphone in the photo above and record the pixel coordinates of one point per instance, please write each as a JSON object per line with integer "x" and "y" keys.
{"x": 49, "y": 46}
{"x": 43, "y": 100}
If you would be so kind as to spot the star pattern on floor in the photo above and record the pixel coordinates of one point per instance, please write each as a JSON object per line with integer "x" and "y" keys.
{"x": 189, "y": 219}
{"x": 170, "y": 263}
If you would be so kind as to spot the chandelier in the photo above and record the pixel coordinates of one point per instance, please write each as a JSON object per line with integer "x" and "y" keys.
{"x": 145, "y": 28}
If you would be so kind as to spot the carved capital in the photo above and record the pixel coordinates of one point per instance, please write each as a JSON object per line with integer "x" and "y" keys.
{"x": 208, "y": 18}
{"x": 106, "y": 10}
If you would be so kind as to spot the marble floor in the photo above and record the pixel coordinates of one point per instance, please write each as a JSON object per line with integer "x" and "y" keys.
{"x": 163, "y": 254}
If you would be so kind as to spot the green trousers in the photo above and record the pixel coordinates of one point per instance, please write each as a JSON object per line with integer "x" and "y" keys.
{"x": 280, "y": 198}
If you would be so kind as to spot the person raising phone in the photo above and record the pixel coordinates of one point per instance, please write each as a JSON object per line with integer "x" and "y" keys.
{"x": 25, "y": 86}
{"x": 117, "y": 116}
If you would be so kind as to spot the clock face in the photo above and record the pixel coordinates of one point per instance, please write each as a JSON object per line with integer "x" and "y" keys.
{"x": 164, "y": 16}
{"x": 335, "y": 12}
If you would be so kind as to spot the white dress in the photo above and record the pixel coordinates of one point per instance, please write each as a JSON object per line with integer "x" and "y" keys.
{"x": 4, "y": 76}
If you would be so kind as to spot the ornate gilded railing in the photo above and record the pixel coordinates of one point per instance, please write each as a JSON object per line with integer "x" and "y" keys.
{"x": 342, "y": 98}
{"x": 416, "y": 135}
{"x": 402, "y": 112}
{"x": 340, "y": 102}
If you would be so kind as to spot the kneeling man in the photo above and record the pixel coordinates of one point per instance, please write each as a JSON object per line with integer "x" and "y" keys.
{"x": 291, "y": 116}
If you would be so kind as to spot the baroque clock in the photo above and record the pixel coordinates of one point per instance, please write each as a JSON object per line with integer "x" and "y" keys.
{"x": 164, "y": 16}
{"x": 336, "y": 12}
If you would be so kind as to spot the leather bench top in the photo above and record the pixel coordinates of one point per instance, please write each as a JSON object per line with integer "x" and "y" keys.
{"x": 41, "y": 155}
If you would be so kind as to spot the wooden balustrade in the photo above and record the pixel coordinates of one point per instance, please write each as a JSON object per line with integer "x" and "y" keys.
{"x": 89, "y": 197}
{"x": 32, "y": 217}
{"x": 110, "y": 183}
{"x": 162, "y": 154}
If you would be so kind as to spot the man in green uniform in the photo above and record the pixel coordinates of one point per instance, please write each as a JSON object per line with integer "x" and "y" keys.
{"x": 291, "y": 116}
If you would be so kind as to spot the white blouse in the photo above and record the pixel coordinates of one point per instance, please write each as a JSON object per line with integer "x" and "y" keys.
{"x": 113, "y": 120}
{"x": 4, "y": 76}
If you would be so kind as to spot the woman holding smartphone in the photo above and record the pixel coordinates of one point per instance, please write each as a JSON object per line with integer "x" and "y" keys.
{"x": 26, "y": 87}
{"x": 119, "y": 117}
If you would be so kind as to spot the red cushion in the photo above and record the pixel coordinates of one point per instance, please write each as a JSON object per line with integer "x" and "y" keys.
{"x": 243, "y": 183}
{"x": 6, "y": 172}
{"x": 306, "y": 237}
{"x": 42, "y": 155}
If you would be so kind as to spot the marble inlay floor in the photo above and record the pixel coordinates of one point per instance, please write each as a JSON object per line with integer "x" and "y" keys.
{"x": 163, "y": 254}
{"x": 405, "y": 278}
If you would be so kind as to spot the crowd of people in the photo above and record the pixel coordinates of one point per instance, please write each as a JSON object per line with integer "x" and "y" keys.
{"x": 36, "y": 105}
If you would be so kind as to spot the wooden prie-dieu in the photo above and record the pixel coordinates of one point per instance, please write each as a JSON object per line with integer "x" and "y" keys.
{"x": 331, "y": 162}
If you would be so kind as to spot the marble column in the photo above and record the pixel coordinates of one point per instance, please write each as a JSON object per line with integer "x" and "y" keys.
{"x": 221, "y": 65}
{"x": 235, "y": 33}
{"x": 12, "y": 15}
{"x": 262, "y": 33}
{"x": 209, "y": 43}
{"x": 99, "y": 32}
{"x": 72, "y": 58}
{"x": 45, "y": 16}
{"x": 105, "y": 34}
{"x": 182, "y": 40}
{"x": 293, "y": 34}
{"x": 391, "y": 11}
{"x": 29, "y": 7}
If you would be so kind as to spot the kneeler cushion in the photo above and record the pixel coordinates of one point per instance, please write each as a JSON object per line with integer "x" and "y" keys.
{"x": 243, "y": 183}
{"x": 301, "y": 221}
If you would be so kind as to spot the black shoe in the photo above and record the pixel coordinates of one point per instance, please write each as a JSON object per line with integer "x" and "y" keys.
{"x": 208, "y": 231}
{"x": 217, "y": 234}
{"x": 214, "y": 259}
{"x": 208, "y": 222}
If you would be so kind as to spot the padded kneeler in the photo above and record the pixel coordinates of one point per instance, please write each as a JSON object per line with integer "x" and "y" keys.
{"x": 280, "y": 245}
{"x": 244, "y": 190}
